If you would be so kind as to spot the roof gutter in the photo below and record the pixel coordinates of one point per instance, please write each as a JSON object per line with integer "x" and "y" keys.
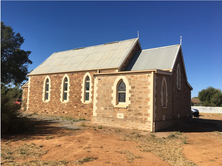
{"x": 139, "y": 71}
{"x": 72, "y": 71}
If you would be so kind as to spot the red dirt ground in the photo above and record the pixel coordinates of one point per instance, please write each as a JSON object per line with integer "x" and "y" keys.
{"x": 204, "y": 145}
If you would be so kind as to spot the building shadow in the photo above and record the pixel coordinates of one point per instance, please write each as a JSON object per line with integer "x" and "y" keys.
{"x": 197, "y": 125}
{"x": 34, "y": 128}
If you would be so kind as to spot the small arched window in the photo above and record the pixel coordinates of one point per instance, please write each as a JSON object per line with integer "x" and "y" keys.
{"x": 65, "y": 90}
{"x": 121, "y": 92}
{"x": 87, "y": 88}
{"x": 47, "y": 89}
{"x": 164, "y": 93}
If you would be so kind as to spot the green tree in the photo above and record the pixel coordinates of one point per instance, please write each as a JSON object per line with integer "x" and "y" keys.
{"x": 211, "y": 97}
{"x": 14, "y": 61}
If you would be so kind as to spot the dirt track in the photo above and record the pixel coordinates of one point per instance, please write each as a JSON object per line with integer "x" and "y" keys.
{"x": 111, "y": 146}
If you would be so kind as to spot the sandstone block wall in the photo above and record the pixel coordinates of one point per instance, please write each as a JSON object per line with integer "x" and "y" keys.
{"x": 182, "y": 97}
{"x": 136, "y": 115}
{"x": 179, "y": 100}
{"x": 74, "y": 107}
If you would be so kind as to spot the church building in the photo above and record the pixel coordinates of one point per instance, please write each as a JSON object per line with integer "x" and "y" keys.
{"x": 114, "y": 84}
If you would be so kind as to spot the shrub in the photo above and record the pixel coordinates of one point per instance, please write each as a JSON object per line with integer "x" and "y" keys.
{"x": 10, "y": 122}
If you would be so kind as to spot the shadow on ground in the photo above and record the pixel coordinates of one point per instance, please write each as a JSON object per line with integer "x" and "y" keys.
{"x": 35, "y": 127}
{"x": 197, "y": 125}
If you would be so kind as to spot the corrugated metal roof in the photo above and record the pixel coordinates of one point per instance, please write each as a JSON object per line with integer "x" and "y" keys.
{"x": 156, "y": 58}
{"x": 108, "y": 55}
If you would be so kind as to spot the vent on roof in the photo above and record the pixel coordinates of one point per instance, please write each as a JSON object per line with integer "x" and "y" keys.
{"x": 78, "y": 48}
{"x": 111, "y": 42}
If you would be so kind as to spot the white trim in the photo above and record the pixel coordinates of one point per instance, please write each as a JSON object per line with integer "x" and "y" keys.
{"x": 28, "y": 93}
{"x": 115, "y": 91}
{"x": 44, "y": 90}
{"x": 62, "y": 89}
{"x": 152, "y": 102}
{"x": 83, "y": 89}
{"x": 162, "y": 97}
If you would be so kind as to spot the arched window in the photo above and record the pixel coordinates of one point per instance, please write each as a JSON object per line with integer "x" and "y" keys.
{"x": 178, "y": 77}
{"x": 121, "y": 95}
{"x": 164, "y": 93}
{"x": 121, "y": 92}
{"x": 87, "y": 88}
{"x": 46, "y": 90}
{"x": 65, "y": 89}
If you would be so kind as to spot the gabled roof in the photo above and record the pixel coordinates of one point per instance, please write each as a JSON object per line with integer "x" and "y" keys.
{"x": 109, "y": 55}
{"x": 25, "y": 85}
{"x": 155, "y": 58}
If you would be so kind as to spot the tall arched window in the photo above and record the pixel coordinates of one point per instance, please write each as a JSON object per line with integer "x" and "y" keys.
{"x": 87, "y": 88}
{"x": 65, "y": 89}
{"x": 121, "y": 92}
{"x": 46, "y": 89}
{"x": 164, "y": 93}
{"x": 178, "y": 77}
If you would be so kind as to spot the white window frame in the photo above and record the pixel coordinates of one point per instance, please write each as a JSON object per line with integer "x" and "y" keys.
{"x": 44, "y": 90}
{"x": 178, "y": 77}
{"x": 83, "y": 99}
{"x": 63, "y": 91}
{"x": 115, "y": 101}
{"x": 162, "y": 93}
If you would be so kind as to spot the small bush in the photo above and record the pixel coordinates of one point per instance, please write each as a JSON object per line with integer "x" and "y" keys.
{"x": 171, "y": 136}
{"x": 100, "y": 127}
{"x": 10, "y": 121}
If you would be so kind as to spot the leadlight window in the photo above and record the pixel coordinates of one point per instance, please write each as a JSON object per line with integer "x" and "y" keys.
{"x": 65, "y": 89}
{"x": 164, "y": 93}
{"x": 121, "y": 92}
{"x": 47, "y": 89}
{"x": 87, "y": 88}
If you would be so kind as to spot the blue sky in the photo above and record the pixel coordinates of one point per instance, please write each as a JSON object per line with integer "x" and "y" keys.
{"x": 54, "y": 26}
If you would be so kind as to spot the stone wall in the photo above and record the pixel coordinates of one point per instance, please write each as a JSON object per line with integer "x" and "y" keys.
{"x": 181, "y": 97}
{"x": 179, "y": 100}
{"x": 136, "y": 115}
{"x": 74, "y": 107}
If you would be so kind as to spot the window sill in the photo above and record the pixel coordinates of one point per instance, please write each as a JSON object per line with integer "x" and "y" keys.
{"x": 46, "y": 101}
{"x": 86, "y": 102}
{"x": 121, "y": 106}
{"x": 65, "y": 101}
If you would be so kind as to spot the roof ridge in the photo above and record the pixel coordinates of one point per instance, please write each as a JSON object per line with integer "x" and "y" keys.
{"x": 161, "y": 47}
{"x": 78, "y": 48}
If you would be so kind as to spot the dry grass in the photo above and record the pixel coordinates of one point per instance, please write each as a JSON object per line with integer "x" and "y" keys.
{"x": 9, "y": 154}
{"x": 130, "y": 156}
{"x": 81, "y": 161}
{"x": 168, "y": 149}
